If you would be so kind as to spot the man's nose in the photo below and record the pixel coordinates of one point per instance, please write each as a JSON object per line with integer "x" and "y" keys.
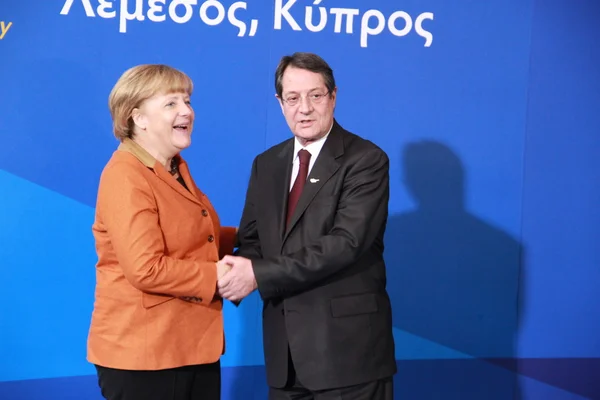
{"x": 305, "y": 105}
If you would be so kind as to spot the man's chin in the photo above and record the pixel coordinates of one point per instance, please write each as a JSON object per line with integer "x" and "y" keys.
{"x": 308, "y": 135}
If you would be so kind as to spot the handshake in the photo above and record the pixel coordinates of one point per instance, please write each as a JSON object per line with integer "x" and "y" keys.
{"x": 235, "y": 278}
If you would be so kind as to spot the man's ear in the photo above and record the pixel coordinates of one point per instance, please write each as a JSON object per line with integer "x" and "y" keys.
{"x": 334, "y": 95}
{"x": 280, "y": 102}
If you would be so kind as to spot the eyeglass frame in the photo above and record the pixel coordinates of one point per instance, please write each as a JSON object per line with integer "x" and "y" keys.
{"x": 286, "y": 101}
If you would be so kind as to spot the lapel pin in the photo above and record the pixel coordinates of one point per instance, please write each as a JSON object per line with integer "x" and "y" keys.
{"x": 313, "y": 180}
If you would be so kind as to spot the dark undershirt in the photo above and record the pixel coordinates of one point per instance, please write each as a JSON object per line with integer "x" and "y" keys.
{"x": 180, "y": 180}
{"x": 175, "y": 171}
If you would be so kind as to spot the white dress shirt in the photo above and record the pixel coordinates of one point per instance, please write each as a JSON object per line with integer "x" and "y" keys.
{"x": 314, "y": 148}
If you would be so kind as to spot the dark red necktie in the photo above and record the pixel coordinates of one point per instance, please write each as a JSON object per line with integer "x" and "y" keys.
{"x": 304, "y": 157}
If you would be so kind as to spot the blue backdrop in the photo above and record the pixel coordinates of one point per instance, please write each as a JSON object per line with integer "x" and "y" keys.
{"x": 487, "y": 110}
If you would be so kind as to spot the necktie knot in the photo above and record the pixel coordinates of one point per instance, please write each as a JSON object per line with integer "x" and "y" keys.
{"x": 304, "y": 156}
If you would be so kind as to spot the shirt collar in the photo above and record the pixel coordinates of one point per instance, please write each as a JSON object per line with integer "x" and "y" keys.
{"x": 314, "y": 148}
{"x": 138, "y": 152}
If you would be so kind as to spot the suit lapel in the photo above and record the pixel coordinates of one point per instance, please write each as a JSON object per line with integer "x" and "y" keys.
{"x": 187, "y": 178}
{"x": 178, "y": 187}
{"x": 323, "y": 169}
{"x": 145, "y": 158}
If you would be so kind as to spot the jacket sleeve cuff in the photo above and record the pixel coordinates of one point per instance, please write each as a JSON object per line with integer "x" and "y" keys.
{"x": 208, "y": 290}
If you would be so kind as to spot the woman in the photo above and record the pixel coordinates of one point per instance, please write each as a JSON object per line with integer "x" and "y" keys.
{"x": 157, "y": 325}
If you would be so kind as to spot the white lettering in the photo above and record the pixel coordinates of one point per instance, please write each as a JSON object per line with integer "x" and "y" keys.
{"x": 308, "y": 18}
{"x": 220, "y": 12}
{"x": 187, "y": 4}
{"x": 103, "y": 6}
{"x": 126, "y": 16}
{"x": 253, "y": 27}
{"x": 158, "y": 11}
{"x": 422, "y": 32}
{"x": 239, "y": 24}
{"x": 155, "y": 8}
{"x": 366, "y": 30}
{"x": 232, "y": 18}
{"x": 407, "y": 23}
{"x": 284, "y": 12}
{"x": 89, "y": 11}
{"x": 339, "y": 12}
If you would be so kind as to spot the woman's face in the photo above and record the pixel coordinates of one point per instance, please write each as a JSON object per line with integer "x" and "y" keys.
{"x": 167, "y": 121}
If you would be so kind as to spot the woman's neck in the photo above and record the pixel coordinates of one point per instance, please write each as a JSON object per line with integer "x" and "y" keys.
{"x": 164, "y": 159}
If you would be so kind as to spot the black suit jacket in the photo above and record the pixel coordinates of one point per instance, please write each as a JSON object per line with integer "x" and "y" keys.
{"x": 322, "y": 280}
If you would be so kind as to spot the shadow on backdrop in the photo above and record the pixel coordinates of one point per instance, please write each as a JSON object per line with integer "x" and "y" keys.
{"x": 453, "y": 280}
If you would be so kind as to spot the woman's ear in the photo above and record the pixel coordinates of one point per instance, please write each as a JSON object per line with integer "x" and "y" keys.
{"x": 138, "y": 119}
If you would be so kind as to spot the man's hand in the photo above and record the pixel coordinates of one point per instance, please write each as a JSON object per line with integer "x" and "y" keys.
{"x": 239, "y": 282}
{"x": 222, "y": 269}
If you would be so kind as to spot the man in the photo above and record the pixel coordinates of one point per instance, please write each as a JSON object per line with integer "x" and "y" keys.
{"x": 311, "y": 242}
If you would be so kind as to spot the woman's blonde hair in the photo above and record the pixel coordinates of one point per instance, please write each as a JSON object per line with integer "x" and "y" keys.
{"x": 138, "y": 84}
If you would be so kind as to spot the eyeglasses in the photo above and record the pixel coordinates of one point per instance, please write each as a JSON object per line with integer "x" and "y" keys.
{"x": 315, "y": 98}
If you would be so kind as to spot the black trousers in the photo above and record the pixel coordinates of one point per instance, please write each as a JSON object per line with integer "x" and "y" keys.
{"x": 196, "y": 382}
{"x": 382, "y": 389}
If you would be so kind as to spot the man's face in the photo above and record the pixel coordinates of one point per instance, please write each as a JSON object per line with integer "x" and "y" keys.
{"x": 306, "y": 104}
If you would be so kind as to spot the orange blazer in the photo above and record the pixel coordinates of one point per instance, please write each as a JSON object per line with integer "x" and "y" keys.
{"x": 155, "y": 305}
